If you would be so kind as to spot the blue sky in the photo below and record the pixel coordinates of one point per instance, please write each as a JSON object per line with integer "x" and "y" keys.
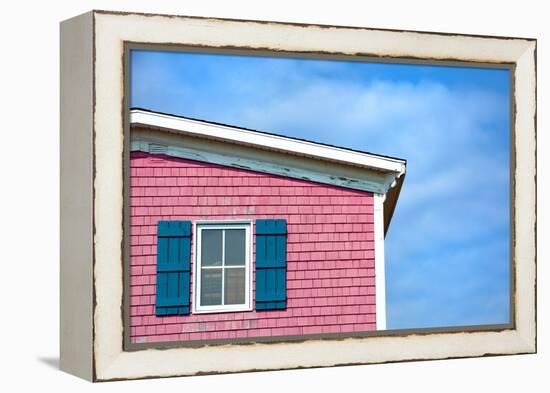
{"x": 447, "y": 249}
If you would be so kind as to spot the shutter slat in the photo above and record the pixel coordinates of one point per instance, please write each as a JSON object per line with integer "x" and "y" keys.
{"x": 173, "y": 267}
{"x": 281, "y": 249}
{"x": 271, "y": 248}
{"x": 260, "y": 284}
{"x": 173, "y": 251}
{"x": 162, "y": 252}
{"x": 260, "y": 250}
{"x": 270, "y": 264}
{"x": 185, "y": 251}
{"x": 162, "y": 285}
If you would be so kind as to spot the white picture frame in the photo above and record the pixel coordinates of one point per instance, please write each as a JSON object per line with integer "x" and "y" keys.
{"x": 93, "y": 180}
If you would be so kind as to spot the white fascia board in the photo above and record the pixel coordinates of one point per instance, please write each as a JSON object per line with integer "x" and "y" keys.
{"x": 259, "y": 139}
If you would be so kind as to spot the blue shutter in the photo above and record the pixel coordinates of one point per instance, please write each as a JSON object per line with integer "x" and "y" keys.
{"x": 270, "y": 264}
{"x": 173, "y": 267}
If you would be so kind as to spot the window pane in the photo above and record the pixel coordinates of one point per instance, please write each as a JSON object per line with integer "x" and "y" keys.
{"x": 234, "y": 286}
{"x": 211, "y": 247}
{"x": 235, "y": 247}
{"x": 211, "y": 287}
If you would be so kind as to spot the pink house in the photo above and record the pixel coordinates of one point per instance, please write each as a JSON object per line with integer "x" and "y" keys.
{"x": 240, "y": 235}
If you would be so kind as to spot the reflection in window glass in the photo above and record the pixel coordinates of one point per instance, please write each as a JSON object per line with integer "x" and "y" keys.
{"x": 234, "y": 290}
{"x": 235, "y": 247}
{"x": 211, "y": 247}
{"x": 211, "y": 287}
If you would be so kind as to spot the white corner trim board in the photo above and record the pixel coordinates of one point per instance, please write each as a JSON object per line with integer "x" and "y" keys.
{"x": 379, "y": 261}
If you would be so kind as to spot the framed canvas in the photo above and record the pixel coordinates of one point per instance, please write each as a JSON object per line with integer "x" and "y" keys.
{"x": 193, "y": 243}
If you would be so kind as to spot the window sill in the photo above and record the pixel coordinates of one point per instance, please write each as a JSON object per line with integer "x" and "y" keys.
{"x": 222, "y": 310}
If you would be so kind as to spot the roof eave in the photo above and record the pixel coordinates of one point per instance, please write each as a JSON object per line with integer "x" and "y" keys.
{"x": 265, "y": 140}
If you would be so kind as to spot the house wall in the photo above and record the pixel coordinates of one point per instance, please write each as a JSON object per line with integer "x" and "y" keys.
{"x": 330, "y": 248}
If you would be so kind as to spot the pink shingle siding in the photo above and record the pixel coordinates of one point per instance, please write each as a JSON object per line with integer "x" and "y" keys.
{"x": 330, "y": 249}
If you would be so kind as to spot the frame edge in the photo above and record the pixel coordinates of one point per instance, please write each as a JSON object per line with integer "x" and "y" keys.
{"x": 76, "y": 196}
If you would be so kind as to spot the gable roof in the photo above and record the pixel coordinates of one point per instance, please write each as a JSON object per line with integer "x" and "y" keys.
{"x": 268, "y": 152}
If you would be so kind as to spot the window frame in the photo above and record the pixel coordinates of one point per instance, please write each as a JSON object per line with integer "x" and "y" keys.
{"x": 198, "y": 227}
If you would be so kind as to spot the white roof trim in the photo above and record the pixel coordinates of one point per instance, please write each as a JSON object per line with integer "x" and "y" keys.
{"x": 259, "y": 139}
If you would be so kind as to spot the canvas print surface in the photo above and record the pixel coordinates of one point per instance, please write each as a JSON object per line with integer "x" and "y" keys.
{"x": 278, "y": 198}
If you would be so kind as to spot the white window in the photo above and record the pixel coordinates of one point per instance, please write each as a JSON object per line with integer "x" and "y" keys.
{"x": 222, "y": 269}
